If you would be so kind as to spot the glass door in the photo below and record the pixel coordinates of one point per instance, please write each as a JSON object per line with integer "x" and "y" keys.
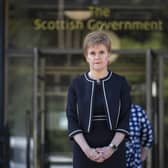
{"x": 56, "y": 69}
{"x": 37, "y": 88}
{"x": 37, "y": 118}
{"x": 162, "y": 129}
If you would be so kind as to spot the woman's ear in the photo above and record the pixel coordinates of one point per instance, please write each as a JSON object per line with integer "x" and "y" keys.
{"x": 86, "y": 58}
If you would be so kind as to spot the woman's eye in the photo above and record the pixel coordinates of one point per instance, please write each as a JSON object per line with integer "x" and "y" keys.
{"x": 102, "y": 52}
{"x": 92, "y": 53}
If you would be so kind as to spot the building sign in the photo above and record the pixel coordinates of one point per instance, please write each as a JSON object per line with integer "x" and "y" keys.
{"x": 98, "y": 18}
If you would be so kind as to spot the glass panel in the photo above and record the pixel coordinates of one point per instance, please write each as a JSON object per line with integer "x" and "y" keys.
{"x": 19, "y": 103}
{"x": 58, "y": 75}
{"x": 165, "y": 92}
{"x": 133, "y": 67}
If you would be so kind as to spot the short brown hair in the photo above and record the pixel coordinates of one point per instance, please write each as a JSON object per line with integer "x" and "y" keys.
{"x": 96, "y": 37}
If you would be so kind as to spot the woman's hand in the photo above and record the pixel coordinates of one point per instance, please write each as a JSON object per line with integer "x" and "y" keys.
{"x": 106, "y": 152}
{"x": 91, "y": 153}
{"x": 94, "y": 155}
{"x": 144, "y": 153}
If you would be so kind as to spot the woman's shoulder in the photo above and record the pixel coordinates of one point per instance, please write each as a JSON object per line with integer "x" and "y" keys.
{"x": 77, "y": 79}
{"x": 118, "y": 77}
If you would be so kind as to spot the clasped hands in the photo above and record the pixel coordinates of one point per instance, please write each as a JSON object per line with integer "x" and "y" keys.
{"x": 99, "y": 154}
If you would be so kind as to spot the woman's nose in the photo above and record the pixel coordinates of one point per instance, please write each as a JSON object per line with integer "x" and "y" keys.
{"x": 97, "y": 55}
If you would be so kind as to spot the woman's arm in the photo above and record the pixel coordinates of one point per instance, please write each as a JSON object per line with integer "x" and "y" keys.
{"x": 146, "y": 135}
{"x": 118, "y": 138}
{"x": 71, "y": 112}
{"x": 107, "y": 151}
{"x": 124, "y": 110}
{"x": 80, "y": 140}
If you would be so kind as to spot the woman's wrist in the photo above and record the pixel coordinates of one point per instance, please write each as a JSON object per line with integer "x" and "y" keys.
{"x": 113, "y": 147}
{"x": 86, "y": 148}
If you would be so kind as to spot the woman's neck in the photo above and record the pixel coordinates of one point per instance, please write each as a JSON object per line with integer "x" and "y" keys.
{"x": 98, "y": 75}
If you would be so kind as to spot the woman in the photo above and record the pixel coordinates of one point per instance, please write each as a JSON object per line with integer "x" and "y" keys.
{"x": 140, "y": 137}
{"x": 98, "y": 108}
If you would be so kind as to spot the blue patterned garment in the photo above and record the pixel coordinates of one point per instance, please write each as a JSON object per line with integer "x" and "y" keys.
{"x": 140, "y": 134}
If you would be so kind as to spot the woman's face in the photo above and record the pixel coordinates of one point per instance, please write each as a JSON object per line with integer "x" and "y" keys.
{"x": 97, "y": 56}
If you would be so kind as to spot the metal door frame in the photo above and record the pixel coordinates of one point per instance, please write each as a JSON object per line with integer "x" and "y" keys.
{"x": 162, "y": 56}
{"x": 38, "y": 113}
{"x": 35, "y": 109}
{"x": 149, "y": 54}
{"x": 148, "y": 58}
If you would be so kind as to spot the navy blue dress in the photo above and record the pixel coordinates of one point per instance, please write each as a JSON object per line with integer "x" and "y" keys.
{"x": 99, "y": 136}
